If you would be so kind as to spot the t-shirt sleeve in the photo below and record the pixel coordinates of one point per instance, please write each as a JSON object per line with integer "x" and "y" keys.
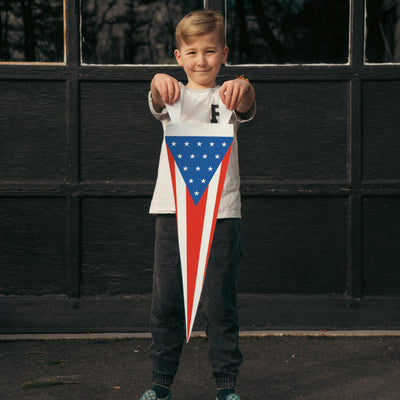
{"x": 247, "y": 116}
{"x": 161, "y": 116}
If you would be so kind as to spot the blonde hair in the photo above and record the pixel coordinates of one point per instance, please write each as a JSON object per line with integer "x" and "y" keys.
{"x": 198, "y": 23}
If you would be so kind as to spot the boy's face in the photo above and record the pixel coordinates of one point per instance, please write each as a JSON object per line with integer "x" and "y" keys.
{"x": 202, "y": 59}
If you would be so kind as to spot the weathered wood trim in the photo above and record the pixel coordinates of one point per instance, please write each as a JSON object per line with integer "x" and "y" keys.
{"x": 73, "y": 247}
{"x": 355, "y": 234}
{"x": 29, "y": 314}
{"x": 248, "y": 189}
{"x": 256, "y": 73}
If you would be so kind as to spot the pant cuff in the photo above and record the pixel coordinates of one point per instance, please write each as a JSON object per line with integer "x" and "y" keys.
{"x": 225, "y": 381}
{"x": 165, "y": 380}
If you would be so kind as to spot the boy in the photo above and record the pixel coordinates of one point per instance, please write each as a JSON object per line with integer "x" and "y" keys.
{"x": 201, "y": 50}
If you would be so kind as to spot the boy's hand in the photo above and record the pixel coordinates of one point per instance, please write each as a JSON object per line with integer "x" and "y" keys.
{"x": 164, "y": 90}
{"x": 237, "y": 94}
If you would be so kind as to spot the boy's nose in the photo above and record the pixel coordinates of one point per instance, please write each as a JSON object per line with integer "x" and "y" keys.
{"x": 201, "y": 59}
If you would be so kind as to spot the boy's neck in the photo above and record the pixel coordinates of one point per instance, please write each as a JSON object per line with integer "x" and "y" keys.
{"x": 190, "y": 85}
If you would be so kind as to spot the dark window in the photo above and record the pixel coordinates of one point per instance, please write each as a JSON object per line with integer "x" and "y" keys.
{"x": 288, "y": 31}
{"x": 131, "y": 32}
{"x": 31, "y": 30}
{"x": 383, "y": 31}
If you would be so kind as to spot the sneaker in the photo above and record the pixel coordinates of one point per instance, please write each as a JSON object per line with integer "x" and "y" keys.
{"x": 232, "y": 396}
{"x": 151, "y": 395}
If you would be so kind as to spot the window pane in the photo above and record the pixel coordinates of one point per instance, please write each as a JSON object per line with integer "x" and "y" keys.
{"x": 288, "y": 31}
{"x": 31, "y": 30}
{"x": 130, "y": 31}
{"x": 383, "y": 31}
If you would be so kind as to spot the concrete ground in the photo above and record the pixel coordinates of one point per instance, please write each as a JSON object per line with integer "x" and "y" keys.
{"x": 276, "y": 367}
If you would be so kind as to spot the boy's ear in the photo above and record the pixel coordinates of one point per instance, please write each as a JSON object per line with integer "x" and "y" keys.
{"x": 177, "y": 55}
{"x": 225, "y": 52}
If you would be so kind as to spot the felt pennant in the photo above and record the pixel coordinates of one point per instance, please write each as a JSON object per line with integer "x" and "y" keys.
{"x": 198, "y": 156}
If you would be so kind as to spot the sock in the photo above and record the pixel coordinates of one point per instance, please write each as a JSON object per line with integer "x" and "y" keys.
{"x": 161, "y": 391}
{"x": 222, "y": 393}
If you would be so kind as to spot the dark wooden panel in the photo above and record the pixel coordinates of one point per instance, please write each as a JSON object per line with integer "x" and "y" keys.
{"x": 294, "y": 245}
{"x": 60, "y": 314}
{"x": 381, "y": 138}
{"x": 299, "y": 133}
{"x": 120, "y": 139}
{"x": 382, "y": 246}
{"x": 32, "y": 240}
{"x": 117, "y": 246}
{"x": 32, "y": 126}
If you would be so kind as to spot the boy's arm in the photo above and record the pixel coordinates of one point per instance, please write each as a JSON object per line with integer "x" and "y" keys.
{"x": 238, "y": 95}
{"x": 164, "y": 90}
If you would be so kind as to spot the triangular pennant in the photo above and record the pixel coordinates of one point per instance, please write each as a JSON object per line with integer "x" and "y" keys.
{"x": 198, "y": 165}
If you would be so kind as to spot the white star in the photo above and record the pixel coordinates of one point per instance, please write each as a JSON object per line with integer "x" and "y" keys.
{"x": 197, "y": 168}
{"x": 179, "y": 155}
{"x": 217, "y": 156}
{"x": 203, "y": 181}
{"x": 204, "y": 156}
{"x": 199, "y": 144}
{"x": 223, "y": 144}
{"x": 185, "y": 168}
{"x": 173, "y": 143}
{"x": 190, "y": 180}
{"x": 210, "y": 168}
{"x": 212, "y": 144}
{"x": 186, "y": 144}
{"x": 196, "y": 193}
{"x": 192, "y": 156}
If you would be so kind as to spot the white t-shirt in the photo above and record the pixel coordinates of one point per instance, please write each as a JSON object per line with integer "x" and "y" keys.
{"x": 199, "y": 106}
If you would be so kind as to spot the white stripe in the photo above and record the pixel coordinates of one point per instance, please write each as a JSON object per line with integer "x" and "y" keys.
{"x": 182, "y": 234}
{"x": 205, "y": 241}
{"x": 199, "y": 129}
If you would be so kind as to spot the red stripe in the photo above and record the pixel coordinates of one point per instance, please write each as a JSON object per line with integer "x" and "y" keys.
{"x": 194, "y": 229}
{"x": 224, "y": 168}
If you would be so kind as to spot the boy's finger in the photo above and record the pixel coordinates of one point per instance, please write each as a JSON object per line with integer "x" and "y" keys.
{"x": 177, "y": 92}
{"x": 163, "y": 92}
{"x": 228, "y": 98}
{"x": 235, "y": 96}
{"x": 170, "y": 92}
{"x": 222, "y": 93}
{"x": 241, "y": 93}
